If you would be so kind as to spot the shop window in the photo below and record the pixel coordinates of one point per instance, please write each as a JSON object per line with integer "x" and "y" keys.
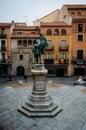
{"x": 49, "y": 32}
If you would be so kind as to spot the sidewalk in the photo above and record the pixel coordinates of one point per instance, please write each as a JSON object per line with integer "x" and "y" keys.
{"x": 72, "y": 99}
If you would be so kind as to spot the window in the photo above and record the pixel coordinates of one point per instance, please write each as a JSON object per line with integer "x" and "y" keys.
{"x": 49, "y": 44}
{"x": 72, "y": 13}
{"x": 3, "y": 46}
{"x": 25, "y": 43}
{"x": 56, "y": 31}
{"x": 48, "y": 56}
{"x": 33, "y": 32}
{"x": 20, "y": 57}
{"x": 63, "y": 44}
{"x": 3, "y": 31}
{"x": 79, "y": 13}
{"x": 29, "y": 42}
{"x": 80, "y": 54}
{"x": 63, "y": 32}
{"x": 34, "y": 41}
{"x": 19, "y": 33}
{"x": 49, "y": 32}
{"x": 80, "y": 27}
{"x": 19, "y": 42}
{"x": 3, "y": 57}
{"x": 63, "y": 56}
{"x": 80, "y": 37}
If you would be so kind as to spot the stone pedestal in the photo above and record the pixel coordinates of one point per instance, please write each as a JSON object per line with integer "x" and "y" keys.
{"x": 39, "y": 103}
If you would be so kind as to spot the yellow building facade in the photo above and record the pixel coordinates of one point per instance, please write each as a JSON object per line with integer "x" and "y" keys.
{"x": 57, "y": 56}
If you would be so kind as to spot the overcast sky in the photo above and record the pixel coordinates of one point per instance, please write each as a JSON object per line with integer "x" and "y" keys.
{"x": 30, "y": 10}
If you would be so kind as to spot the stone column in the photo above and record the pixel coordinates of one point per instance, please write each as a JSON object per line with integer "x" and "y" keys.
{"x": 39, "y": 103}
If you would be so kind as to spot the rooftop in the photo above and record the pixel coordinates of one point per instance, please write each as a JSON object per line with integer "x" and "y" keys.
{"x": 76, "y": 6}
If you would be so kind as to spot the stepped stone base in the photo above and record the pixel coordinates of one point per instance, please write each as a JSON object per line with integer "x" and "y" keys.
{"x": 39, "y": 103}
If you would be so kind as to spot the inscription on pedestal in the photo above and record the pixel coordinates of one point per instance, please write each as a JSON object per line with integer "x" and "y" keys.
{"x": 39, "y": 85}
{"x": 39, "y": 77}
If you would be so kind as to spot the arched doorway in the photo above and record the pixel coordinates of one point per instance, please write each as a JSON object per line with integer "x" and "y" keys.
{"x": 20, "y": 71}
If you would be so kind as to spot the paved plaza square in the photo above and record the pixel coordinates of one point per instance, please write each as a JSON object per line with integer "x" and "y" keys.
{"x": 72, "y": 100}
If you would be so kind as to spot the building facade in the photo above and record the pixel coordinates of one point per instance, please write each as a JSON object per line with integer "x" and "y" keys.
{"x": 57, "y": 58}
{"x": 77, "y": 18}
{"x": 22, "y": 41}
{"x": 5, "y": 48}
{"x": 74, "y": 16}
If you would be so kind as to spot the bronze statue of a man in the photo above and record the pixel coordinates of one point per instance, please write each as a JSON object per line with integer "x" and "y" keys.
{"x": 39, "y": 48}
{"x": 37, "y": 52}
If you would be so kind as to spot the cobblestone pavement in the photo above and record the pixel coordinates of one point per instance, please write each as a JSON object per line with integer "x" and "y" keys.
{"x": 72, "y": 99}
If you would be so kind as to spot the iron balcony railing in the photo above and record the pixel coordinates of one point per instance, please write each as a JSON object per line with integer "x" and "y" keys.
{"x": 63, "y": 61}
{"x": 50, "y": 48}
{"x": 49, "y": 61}
{"x": 63, "y": 48}
{"x": 78, "y": 61}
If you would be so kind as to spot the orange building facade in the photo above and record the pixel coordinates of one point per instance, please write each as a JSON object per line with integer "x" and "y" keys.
{"x": 5, "y": 48}
{"x": 78, "y": 15}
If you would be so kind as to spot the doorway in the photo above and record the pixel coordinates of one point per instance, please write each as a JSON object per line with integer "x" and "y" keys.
{"x": 20, "y": 71}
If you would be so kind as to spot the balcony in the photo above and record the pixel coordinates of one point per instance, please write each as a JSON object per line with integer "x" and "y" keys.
{"x": 3, "y": 36}
{"x": 49, "y": 61}
{"x": 63, "y": 61}
{"x": 49, "y": 48}
{"x": 79, "y": 61}
{"x": 63, "y": 48}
